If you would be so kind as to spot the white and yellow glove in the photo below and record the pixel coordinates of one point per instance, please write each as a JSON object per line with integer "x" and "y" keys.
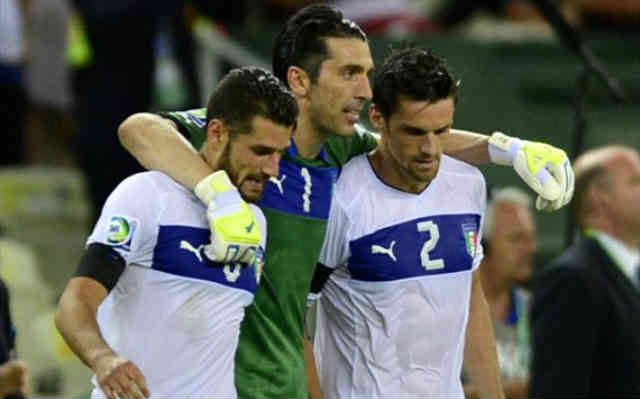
{"x": 236, "y": 234}
{"x": 544, "y": 168}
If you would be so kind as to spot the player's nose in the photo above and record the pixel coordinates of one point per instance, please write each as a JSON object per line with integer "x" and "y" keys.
{"x": 363, "y": 89}
{"x": 271, "y": 165}
{"x": 430, "y": 144}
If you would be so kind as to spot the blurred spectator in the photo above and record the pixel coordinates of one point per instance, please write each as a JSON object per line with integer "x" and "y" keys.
{"x": 278, "y": 11}
{"x": 13, "y": 104}
{"x": 14, "y": 374}
{"x": 118, "y": 79}
{"x": 453, "y": 13}
{"x": 609, "y": 15}
{"x": 392, "y": 17}
{"x": 49, "y": 128}
{"x": 509, "y": 241}
{"x": 229, "y": 17}
{"x": 114, "y": 83}
{"x": 586, "y": 307}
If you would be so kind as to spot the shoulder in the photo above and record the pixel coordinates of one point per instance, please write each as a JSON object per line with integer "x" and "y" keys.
{"x": 151, "y": 181}
{"x": 453, "y": 166}
{"x": 190, "y": 123}
{"x": 354, "y": 180}
{"x": 462, "y": 179}
{"x": 192, "y": 118}
{"x": 150, "y": 193}
{"x": 341, "y": 149}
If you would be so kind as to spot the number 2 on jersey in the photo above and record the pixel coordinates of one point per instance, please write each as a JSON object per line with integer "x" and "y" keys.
{"x": 434, "y": 236}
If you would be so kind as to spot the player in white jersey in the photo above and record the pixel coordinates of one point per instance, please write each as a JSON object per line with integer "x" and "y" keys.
{"x": 403, "y": 306}
{"x": 154, "y": 307}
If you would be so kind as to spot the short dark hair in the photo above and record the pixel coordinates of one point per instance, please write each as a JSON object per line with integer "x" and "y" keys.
{"x": 247, "y": 92}
{"x": 302, "y": 41}
{"x": 413, "y": 73}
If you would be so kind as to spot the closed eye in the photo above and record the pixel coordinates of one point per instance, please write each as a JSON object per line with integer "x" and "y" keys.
{"x": 261, "y": 150}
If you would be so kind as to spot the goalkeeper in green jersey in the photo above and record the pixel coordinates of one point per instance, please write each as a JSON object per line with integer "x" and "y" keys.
{"x": 324, "y": 59}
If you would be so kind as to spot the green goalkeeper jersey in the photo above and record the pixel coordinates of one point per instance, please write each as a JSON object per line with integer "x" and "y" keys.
{"x": 270, "y": 361}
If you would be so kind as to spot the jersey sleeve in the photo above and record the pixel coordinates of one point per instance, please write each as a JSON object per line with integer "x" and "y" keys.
{"x": 190, "y": 123}
{"x": 129, "y": 220}
{"x": 342, "y": 149}
{"x": 335, "y": 249}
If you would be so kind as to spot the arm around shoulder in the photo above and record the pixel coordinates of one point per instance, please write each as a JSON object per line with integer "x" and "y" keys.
{"x": 158, "y": 145}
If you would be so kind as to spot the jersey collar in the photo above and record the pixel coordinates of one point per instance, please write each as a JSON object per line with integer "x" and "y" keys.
{"x": 293, "y": 152}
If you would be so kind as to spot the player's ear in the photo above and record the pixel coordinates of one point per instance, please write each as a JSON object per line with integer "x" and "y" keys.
{"x": 217, "y": 141}
{"x": 376, "y": 117}
{"x": 299, "y": 81}
{"x": 217, "y": 133}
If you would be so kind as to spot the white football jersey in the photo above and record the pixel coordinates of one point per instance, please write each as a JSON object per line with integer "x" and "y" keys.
{"x": 173, "y": 313}
{"x": 392, "y": 317}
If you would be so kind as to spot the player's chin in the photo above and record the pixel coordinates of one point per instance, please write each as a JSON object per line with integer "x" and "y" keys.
{"x": 251, "y": 191}
{"x": 345, "y": 129}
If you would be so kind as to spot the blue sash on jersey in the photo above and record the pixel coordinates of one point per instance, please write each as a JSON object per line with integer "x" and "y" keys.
{"x": 412, "y": 249}
{"x": 179, "y": 251}
{"x": 299, "y": 189}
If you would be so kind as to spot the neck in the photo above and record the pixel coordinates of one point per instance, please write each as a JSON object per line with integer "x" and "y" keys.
{"x": 210, "y": 157}
{"x": 309, "y": 140}
{"x": 387, "y": 169}
{"x": 498, "y": 295}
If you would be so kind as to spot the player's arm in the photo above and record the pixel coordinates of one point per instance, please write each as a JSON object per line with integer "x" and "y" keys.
{"x": 480, "y": 357}
{"x": 467, "y": 146}
{"x": 157, "y": 144}
{"x": 320, "y": 276}
{"x": 313, "y": 382}
{"x": 76, "y": 319}
{"x": 544, "y": 168}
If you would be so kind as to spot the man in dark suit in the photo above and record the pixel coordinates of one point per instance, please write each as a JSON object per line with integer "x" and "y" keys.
{"x": 586, "y": 309}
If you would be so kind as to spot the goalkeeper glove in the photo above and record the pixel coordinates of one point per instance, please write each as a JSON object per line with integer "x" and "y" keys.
{"x": 544, "y": 168}
{"x": 236, "y": 235}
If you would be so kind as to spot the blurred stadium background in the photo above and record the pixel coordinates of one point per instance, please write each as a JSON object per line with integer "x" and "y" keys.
{"x": 517, "y": 77}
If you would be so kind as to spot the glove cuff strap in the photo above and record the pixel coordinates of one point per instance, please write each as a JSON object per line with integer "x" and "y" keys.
{"x": 217, "y": 182}
{"x": 503, "y": 149}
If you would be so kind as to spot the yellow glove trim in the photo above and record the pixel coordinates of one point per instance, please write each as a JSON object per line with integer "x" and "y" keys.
{"x": 239, "y": 227}
{"x": 539, "y": 154}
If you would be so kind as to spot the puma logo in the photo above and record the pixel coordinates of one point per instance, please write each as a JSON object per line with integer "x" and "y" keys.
{"x": 278, "y": 182}
{"x": 186, "y": 245}
{"x": 377, "y": 249}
